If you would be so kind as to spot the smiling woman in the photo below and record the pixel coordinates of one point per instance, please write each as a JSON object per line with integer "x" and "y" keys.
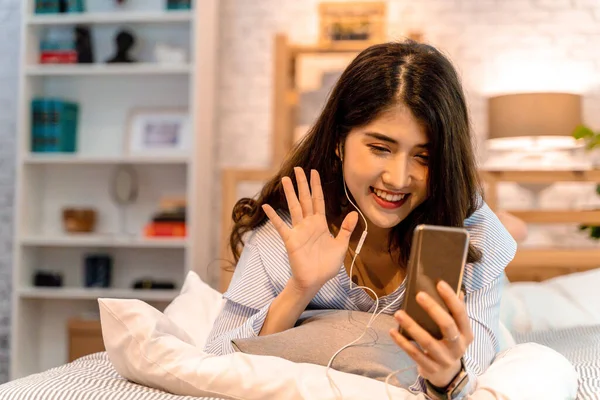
{"x": 391, "y": 150}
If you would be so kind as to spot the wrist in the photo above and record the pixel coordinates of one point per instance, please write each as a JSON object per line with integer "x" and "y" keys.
{"x": 443, "y": 382}
{"x": 301, "y": 292}
{"x": 454, "y": 389}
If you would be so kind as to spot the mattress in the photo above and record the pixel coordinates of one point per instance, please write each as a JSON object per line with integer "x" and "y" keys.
{"x": 90, "y": 377}
{"x": 581, "y": 346}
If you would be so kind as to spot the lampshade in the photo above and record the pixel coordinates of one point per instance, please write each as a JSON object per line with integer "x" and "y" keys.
{"x": 533, "y": 114}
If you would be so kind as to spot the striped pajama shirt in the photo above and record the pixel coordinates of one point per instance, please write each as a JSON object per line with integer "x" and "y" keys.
{"x": 263, "y": 271}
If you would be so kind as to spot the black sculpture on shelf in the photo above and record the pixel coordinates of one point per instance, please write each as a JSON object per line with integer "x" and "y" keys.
{"x": 124, "y": 42}
{"x": 83, "y": 45}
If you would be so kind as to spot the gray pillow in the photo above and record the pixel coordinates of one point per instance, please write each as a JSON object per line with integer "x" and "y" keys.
{"x": 319, "y": 334}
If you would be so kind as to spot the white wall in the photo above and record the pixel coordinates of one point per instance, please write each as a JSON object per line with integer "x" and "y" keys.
{"x": 9, "y": 57}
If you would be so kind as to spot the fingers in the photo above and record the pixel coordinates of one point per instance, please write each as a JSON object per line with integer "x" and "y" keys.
{"x": 432, "y": 347}
{"x": 317, "y": 193}
{"x": 444, "y": 320}
{"x": 278, "y": 223}
{"x": 303, "y": 192}
{"x": 457, "y": 308}
{"x": 347, "y": 227}
{"x": 412, "y": 350}
{"x": 292, "y": 200}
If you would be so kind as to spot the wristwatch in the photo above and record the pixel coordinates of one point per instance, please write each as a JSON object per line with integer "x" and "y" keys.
{"x": 454, "y": 389}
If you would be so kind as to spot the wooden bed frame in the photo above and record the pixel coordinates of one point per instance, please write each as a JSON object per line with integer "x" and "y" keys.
{"x": 528, "y": 264}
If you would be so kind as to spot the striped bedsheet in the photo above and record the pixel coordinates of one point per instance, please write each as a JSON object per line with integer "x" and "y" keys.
{"x": 88, "y": 378}
{"x": 581, "y": 346}
{"x": 93, "y": 377}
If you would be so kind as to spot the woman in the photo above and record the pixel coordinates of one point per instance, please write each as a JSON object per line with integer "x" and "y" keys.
{"x": 394, "y": 133}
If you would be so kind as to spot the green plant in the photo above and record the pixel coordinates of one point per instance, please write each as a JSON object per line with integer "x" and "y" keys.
{"x": 592, "y": 141}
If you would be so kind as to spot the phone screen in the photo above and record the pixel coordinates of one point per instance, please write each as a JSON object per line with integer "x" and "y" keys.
{"x": 437, "y": 253}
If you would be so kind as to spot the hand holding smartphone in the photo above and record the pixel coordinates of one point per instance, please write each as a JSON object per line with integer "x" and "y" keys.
{"x": 438, "y": 253}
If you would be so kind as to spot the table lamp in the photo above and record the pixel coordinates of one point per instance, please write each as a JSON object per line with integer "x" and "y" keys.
{"x": 533, "y": 130}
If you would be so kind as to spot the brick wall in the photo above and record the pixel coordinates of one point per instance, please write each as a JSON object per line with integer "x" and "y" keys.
{"x": 497, "y": 46}
{"x": 9, "y": 56}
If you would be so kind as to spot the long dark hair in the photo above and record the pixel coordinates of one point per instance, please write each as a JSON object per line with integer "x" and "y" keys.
{"x": 380, "y": 77}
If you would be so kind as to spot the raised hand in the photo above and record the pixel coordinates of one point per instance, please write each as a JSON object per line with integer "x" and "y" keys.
{"x": 315, "y": 255}
{"x": 438, "y": 360}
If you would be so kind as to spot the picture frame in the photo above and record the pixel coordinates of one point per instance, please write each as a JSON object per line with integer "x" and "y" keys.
{"x": 343, "y": 24}
{"x": 158, "y": 132}
{"x": 315, "y": 76}
{"x": 301, "y": 83}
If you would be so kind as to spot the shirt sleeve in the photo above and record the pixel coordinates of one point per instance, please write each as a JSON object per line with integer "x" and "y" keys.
{"x": 247, "y": 302}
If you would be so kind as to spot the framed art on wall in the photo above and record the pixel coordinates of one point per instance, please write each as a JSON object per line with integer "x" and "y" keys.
{"x": 158, "y": 132}
{"x": 351, "y": 23}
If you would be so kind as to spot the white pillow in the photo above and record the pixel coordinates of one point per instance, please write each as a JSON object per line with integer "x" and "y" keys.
{"x": 146, "y": 347}
{"x": 562, "y": 302}
{"x": 529, "y": 371}
{"x": 195, "y": 309}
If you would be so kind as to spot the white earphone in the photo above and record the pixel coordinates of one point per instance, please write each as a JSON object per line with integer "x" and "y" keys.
{"x": 375, "y": 313}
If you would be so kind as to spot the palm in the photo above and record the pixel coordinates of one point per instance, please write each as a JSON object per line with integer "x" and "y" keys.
{"x": 311, "y": 244}
{"x": 315, "y": 256}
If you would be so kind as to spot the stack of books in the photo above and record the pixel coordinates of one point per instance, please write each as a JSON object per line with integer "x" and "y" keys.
{"x": 169, "y": 221}
{"x": 54, "y": 125}
{"x": 59, "y": 6}
{"x": 179, "y": 4}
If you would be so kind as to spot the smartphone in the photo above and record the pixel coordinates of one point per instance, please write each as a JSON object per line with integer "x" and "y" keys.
{"x": 438, "y": 253}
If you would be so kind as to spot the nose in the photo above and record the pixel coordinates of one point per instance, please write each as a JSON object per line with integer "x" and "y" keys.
{"x": 397, "y": 175}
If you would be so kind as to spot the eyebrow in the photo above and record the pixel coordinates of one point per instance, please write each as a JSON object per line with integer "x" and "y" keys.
{"x": 387, "y": 139}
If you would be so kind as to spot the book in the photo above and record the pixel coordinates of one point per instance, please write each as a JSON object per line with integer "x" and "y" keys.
{"x": 54, "y": 125}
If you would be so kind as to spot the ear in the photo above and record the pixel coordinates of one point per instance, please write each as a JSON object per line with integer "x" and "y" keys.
{"x": 339, "y": 151}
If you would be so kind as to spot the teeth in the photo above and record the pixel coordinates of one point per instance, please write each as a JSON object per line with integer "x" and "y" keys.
{"x": 387, "y": 196}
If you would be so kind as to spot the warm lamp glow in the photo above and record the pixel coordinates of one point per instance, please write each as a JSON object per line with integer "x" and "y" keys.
{"x": 521, "y": 75}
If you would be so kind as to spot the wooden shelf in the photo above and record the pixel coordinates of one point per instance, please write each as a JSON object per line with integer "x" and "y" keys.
{"x": 589, "y": 217}
{"x": 70, "y": 159}
{"x": 141, "y": 69}
{"x": 72, "y": 293}
{"x": 308, "y": 49}
{"x": 582, "y": 258}
{"x": 110, "y": 18}
{"x": 85, "y": 240}
{"x": 542, "y": 176}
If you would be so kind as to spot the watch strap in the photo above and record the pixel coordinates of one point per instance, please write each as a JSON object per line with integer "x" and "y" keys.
{"x": 454, "y": 389}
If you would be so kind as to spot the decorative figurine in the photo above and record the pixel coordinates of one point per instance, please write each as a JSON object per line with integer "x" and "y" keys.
{"x": 83, "y": 45}
{"x": 124, "y": 42}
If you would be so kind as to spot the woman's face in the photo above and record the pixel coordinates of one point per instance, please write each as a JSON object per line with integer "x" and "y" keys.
{"x": 386, "y": 166}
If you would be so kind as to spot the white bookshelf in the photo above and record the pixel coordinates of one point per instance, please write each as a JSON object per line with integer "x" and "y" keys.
{"x": 75, "y": 159}
{"x": 111, "y": 18}
{"x": 93, "y": 294}
{"x": 49, "y": 182}
{"x": 140, "y": 69}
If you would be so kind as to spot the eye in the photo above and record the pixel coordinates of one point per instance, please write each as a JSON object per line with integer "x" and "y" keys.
{"x": 379, "y": 150}
{"x": 423, "y": 158}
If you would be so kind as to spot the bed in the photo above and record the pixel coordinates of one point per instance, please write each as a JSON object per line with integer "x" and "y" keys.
{"x": 90, "y": 377}
{"x": 162, "y": 353}
{"x": 581, "y": 346}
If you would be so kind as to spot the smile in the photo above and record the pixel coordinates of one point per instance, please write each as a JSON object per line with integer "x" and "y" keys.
{"x": 389, "y": 200}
